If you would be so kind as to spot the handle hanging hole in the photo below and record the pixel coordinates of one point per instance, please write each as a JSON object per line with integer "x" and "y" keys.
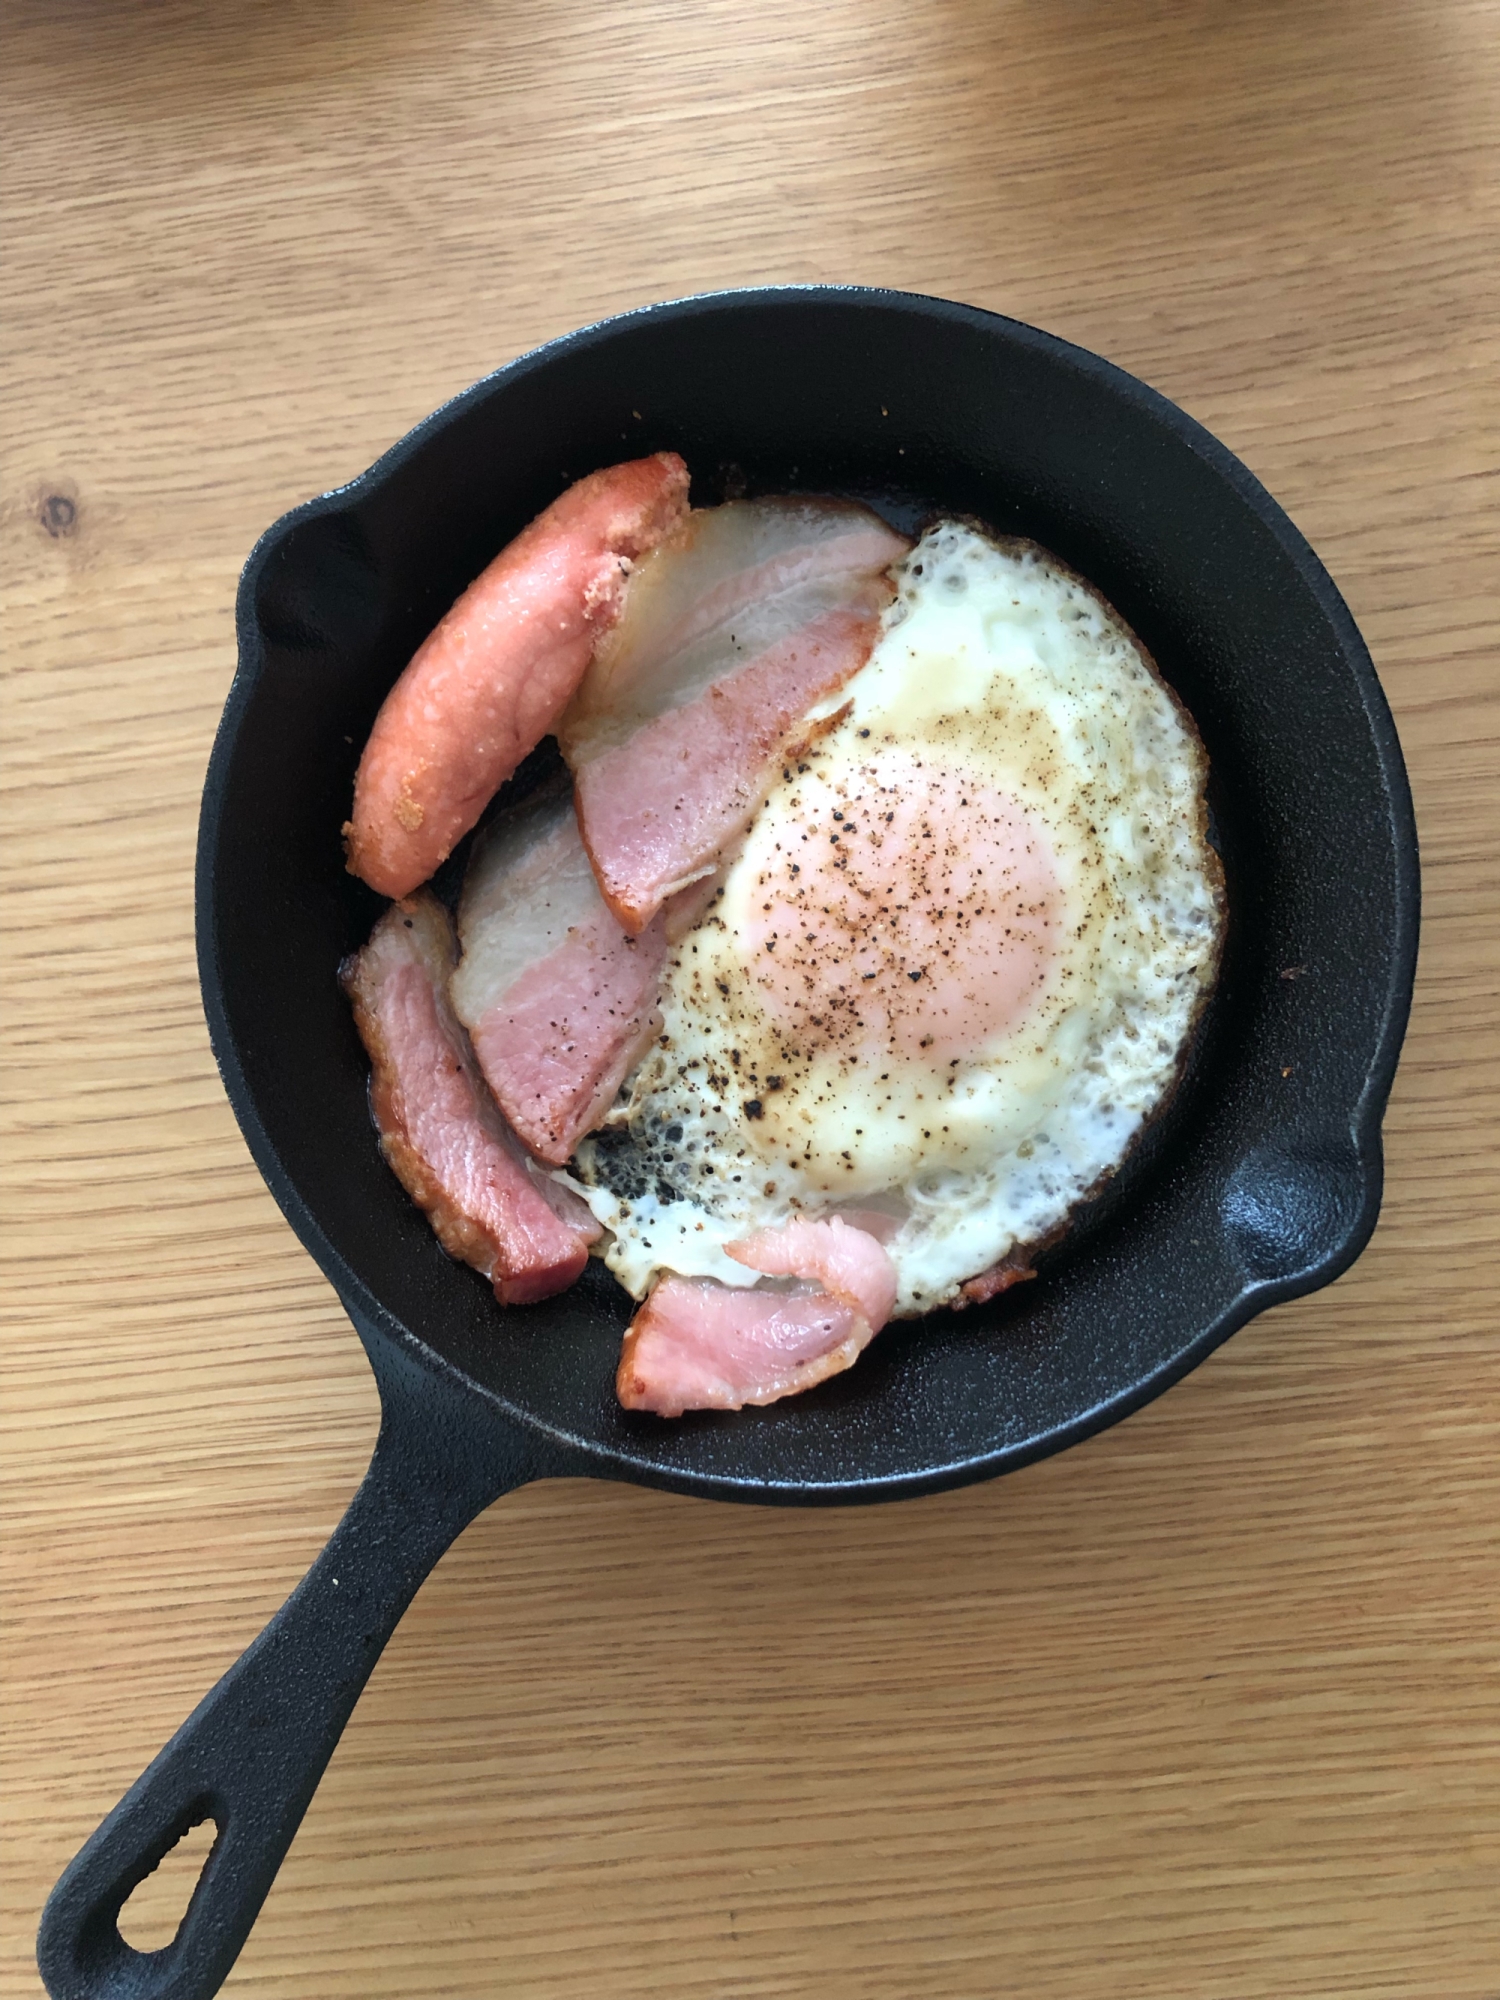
{"x": 155, "y": 1908}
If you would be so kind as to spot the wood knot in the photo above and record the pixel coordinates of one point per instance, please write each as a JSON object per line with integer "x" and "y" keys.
{"x": 58, "y": 514}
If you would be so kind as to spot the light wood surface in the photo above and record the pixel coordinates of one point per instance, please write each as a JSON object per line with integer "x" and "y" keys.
{"x": 1207, "y": 1709}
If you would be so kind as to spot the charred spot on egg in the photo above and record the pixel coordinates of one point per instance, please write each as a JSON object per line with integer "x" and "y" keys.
{"x": 957, "y": 958}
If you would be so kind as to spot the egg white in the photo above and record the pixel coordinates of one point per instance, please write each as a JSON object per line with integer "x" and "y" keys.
{"x": 845, "y": 1074}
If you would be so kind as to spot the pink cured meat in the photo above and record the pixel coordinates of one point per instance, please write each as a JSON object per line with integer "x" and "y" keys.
{"x": 559, "y": 1044}
{"x": 658, "y": 811}
{"x": 700, "y": 1345}
{"x": 559, "y": 1001}
{"x": 487, "y": 685}
{"x": 711, "y": 589}
{"x": 847, "y": 1262}
{"x": 439, "y": 1132}
{"x": 991, "y": 1283}
{"x": 738, "y": 624}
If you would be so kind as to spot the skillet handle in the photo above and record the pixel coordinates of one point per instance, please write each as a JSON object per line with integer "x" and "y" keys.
{"x": 250, "y": 1755}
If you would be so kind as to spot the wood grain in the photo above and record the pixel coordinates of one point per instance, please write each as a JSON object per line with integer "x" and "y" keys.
{"x": 1207, "y": 1709}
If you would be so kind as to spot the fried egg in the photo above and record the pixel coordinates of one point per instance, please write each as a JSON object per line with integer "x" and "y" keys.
{"x": 953, "y": 967}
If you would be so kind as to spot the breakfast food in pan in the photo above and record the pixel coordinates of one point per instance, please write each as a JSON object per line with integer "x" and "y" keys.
{"x": 735, "y": 626}
{"x": 699, "y": 1344}
{"x": 442, "y": 1137}
{"x": 561, "y": 1004}
{"x": 868, "y": 937}
{"x": 490, "y": 681}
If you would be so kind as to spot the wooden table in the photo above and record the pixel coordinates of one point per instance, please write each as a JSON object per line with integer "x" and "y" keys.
{"x": 1208, "y": 1707}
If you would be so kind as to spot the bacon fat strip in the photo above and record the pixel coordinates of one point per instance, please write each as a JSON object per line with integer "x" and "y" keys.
{"x": 489, "y": 683}
{"x": 738, "y": 624}
{"x": 700, "y": 1345}
{"x": 559, "y": 1002}
{"x": 440, "y": 1133}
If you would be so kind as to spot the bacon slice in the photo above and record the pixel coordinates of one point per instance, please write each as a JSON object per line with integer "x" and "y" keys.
{"x": 560, "y": 1003}
{"x": 740, "y": 621}
{"x": 439, "y": 1132}
{"x": 847, "y": 1262}
{"x": 991, "y": 1283}
{"x": 486, "y": 686}
{"x": 700, "y": 1345}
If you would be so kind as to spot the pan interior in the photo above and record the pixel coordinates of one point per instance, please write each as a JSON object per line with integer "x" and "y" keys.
{"x": 1263, "y": 1178}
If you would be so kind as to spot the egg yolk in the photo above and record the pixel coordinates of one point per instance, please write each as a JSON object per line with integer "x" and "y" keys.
{"x": 916, "y": 918}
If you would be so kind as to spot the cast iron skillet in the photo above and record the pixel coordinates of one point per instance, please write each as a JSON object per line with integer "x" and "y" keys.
{"x": 1262, "y": 1183}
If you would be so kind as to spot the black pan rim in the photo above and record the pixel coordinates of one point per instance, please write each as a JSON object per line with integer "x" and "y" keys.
{"x": 578, "y": 1456}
